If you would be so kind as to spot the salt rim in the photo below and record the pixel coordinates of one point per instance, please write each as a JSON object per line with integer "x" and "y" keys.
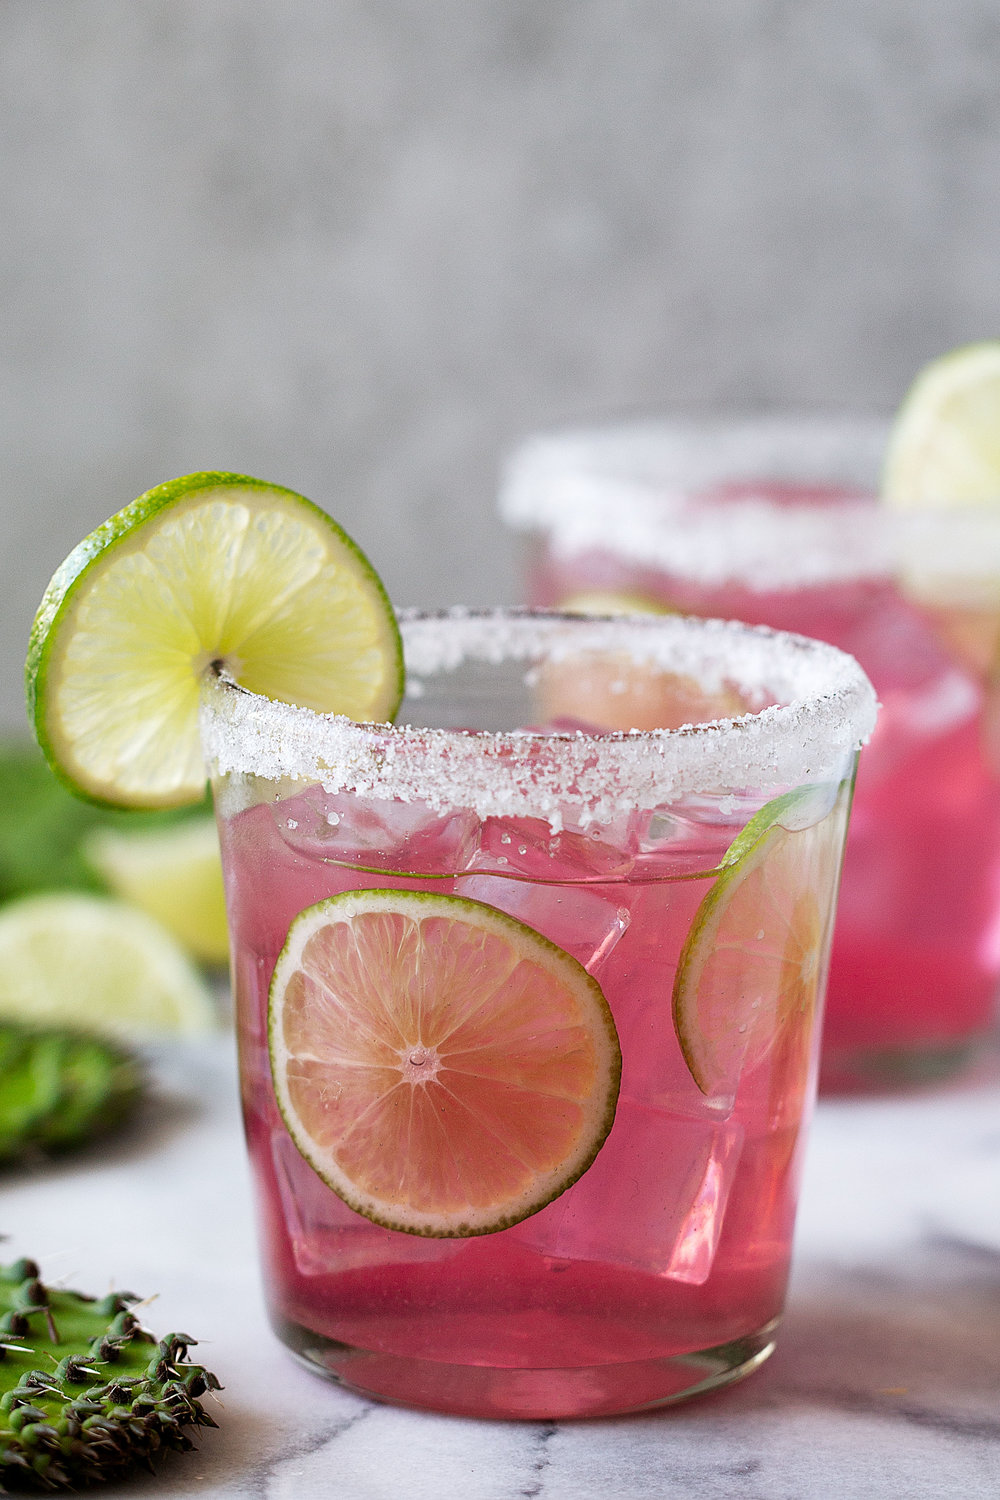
{"x": 632, "y": 490}
{"x": 829, "y": 711}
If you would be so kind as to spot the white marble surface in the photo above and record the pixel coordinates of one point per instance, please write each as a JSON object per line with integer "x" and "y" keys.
{"x": 886, "y": 1381}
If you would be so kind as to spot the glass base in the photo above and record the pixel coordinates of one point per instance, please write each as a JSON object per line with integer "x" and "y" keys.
{"x": 857, "y": 1070}
{"x": 528, "y": 1394}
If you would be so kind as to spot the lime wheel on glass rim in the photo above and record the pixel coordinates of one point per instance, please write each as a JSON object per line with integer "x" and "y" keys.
{"x": 750, "y": 970}
{"x": 444, "y": 1068}
{"x": 210, "y": 570}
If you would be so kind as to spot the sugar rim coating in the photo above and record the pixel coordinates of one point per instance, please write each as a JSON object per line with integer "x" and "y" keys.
{"x": 637, "y": 491}
{"x": 827, "y": 711}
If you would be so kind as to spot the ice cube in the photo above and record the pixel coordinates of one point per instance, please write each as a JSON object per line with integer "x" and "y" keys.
{"x": 675, "y": 847}
{"x": 581, "y": 921}
{"x": 528, "y": 846}
{"x": 328, "y": 1237}
{"x": 654, "y": 1199}
{"x": 375, "y": 834}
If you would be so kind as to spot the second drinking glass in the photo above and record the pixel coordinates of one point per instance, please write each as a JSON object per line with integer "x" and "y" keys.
{"x": 777, "y": 523}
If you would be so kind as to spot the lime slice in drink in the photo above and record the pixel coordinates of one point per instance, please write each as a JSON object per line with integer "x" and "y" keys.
{"x": 174, "y": 874}
{"x": 99, "y": 965}
{"x": 751, "y": 966}
{"x": 211, "y": 570}
{"x": 944, "y": 449}
{"x": 444, "y": 1068}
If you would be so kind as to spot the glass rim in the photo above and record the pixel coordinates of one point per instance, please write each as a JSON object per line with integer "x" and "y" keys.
{"x": 611, "y": 489}
{"x": 829, "y": 712}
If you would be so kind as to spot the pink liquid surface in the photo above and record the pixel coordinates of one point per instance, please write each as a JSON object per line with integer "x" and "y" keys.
{"x": 916, "y": 956}
{"x": 674, "y": 1242}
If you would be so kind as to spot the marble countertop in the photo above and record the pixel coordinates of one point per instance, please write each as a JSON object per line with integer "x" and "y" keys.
{"x": 886, "y": 1381}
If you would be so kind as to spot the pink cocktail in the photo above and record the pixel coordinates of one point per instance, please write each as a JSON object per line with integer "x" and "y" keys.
{"x": 678, "y": 884}
{"x": 653, "y": 514}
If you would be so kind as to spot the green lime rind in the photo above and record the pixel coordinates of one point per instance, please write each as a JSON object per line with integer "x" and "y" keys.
{"x": 715, "y": 1061}
{"x": 530, "y": 944}
{"x": 53, "y": 626}
{"x": 787, "y": 810}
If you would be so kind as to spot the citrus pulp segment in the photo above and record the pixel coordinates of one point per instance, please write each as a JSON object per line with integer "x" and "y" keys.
{"x": 210, "y": 570}
{"x": 174, "y": 874}
{"x": 750, "y": 969}
{"x": 444, "y": 1068}
{"x": 944, "y": 449}
{"x": 98, "y": 965}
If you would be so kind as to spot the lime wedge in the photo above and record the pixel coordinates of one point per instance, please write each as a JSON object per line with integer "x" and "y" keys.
{"x": 99, "y": 965}
{"x": 944, "y": 450}
{"x": 751, "y": 967}
{"x": 174, "y": 874}
{"x": 444, "y": 1068}
{"x": 211, "y": 570}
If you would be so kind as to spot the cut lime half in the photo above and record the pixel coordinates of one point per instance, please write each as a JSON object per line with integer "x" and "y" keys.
{"x": 751, "y": 966}
{"x": 99, "y": 965}
{"x": 444, "y": 1068}
{"x": 208, "y": 571}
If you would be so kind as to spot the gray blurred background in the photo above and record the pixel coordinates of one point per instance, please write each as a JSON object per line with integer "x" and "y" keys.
{"x": 360, "y": 246}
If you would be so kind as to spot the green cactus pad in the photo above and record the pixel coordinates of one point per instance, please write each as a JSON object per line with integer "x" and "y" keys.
{"x": 86, "y": 1393}
{"x": 60, "y": 1089}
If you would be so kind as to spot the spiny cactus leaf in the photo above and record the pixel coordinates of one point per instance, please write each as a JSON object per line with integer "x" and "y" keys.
{"x": 86, "y": 1393}
{"x": 59, "y": 1089}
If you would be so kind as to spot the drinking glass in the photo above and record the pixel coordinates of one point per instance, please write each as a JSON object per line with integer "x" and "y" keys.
{"x": 527, "y": 1002}
{"x": 776, "y": 522}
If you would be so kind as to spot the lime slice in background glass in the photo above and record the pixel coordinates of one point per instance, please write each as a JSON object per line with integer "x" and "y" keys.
{"x": 612, "y": 602}
{"x": 446, "y": 1069}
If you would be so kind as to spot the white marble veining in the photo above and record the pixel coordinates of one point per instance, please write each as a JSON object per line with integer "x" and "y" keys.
{"x": 886, "y": 1381}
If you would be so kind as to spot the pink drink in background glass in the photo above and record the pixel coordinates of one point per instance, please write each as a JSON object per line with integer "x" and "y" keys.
{"x": 662, "y": 1270}
{"x": 651, "y": 512}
